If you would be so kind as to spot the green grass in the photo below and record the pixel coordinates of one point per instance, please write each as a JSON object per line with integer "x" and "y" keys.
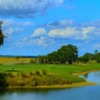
{"x": 40, "y": 74}
{"x": 56, "y": 69}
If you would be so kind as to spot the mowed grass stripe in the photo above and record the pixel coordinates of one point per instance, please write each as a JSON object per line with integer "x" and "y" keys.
{"x": 55, "y": 69}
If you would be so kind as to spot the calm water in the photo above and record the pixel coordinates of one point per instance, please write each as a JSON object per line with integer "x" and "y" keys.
{"x": 80, "y": 93}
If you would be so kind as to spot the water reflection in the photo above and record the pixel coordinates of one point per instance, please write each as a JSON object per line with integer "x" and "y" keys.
{"x": 92, "y": 77}
{"x": 81, "y": 93}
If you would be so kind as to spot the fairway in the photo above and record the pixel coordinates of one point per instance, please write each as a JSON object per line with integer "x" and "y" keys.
{"x": 51, "y": 68}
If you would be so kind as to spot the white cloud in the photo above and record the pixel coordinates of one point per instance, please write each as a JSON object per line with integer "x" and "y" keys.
{"x": 80, "y": 33}
{"x": 97, "y": 46}
{"x": 10, "y": 31}
{"x": 26, "y": 8}
{"x": 11, "y": 26}
{"x": 86, "y": 31}
{"x": 63, "y": 32}
{"x": 46, "y": 35}
{"x": 41, "y": 37}
{"x": 12, "y": 22}
{"x": 42, "y": 41}
{"x": 39, "y": 32}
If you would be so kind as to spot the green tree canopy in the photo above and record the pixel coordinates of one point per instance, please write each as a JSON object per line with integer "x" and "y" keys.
{"x": 1, "y": 36}
{"x": 68, "y": 53}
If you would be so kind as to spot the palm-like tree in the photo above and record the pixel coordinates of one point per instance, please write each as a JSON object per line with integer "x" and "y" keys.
{"x": 1, "y": 35}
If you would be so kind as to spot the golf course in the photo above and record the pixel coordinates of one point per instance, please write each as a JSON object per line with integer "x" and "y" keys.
{"x": 44, "y": 75}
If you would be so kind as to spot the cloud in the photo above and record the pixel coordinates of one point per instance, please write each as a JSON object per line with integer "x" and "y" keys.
{"x": 56, "y": 32}
{"x": 12, "y": 22}
{"x": 70, "y": 29}
{"x": 59, "y": 24}
{"x": 14, "y": 30}
{"x": 11, "y": 26}
{"x": 10, "y": 31}
{"x": 26, "y": 8}
{"x": 85, "y": 31}
{"x": 97, "y": 46}
{"x": 42, "y": 41}
{"x": 80, "y": 33}
{"x": 39, "y": 32}
{"x": 63, "y": 32}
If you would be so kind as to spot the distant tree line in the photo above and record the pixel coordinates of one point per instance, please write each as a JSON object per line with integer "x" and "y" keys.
{"x": 89, "y": 56}
{"x": 67, "y": 54}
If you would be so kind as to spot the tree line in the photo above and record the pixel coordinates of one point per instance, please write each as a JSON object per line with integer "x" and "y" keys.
{"x": 67, "y": 54}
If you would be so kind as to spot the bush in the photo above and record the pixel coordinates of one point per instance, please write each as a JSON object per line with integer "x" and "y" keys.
{"x": 37, "y": 72}
{"x": 12, "y": 74}
{"x": 25, "y": 75}
{"x": 32, "y": 61}
{"x": 37, "y": 78}
{"x": 3, "y": 81}
{"x": 44, "y": 72}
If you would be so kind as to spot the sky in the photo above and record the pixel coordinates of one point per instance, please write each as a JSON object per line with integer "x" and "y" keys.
{"x": 38, "y": 27}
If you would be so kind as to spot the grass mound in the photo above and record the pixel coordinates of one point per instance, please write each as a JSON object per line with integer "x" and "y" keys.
{"x": 37, "y": 78}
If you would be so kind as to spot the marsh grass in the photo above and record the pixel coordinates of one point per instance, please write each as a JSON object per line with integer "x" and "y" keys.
{"x": 39, "y": 78}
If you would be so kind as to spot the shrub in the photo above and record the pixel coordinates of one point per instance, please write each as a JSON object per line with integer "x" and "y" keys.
{"x": 25, "y": 75}
{"x": 37, "y": 72}
{"x": 32, "y": 61}
{"x": 3, "y": 81}
{"x": 44, "y": 72}
{"x": 12, "y": 74}
{"x": 32, "y": 73}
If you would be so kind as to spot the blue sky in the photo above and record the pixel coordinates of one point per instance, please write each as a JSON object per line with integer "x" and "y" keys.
{"x": 38, "y": 27}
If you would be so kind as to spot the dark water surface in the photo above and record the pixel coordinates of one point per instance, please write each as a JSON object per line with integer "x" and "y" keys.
{"x": 80, "y": 93}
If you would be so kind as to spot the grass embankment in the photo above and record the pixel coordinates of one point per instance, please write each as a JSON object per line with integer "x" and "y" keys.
{"x": 44, "y": 76}
{"x": 34, "y": 79}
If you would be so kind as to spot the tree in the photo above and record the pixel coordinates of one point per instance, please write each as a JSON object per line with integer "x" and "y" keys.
{"x": 83, "y": 59}
{"x": 1, "y": 35}
{"x": 89, "y": 56}
{"x": 68, "y": 53}
{"x": 17, "y": 58}
{"x": 42, "y": 59}
{"x": 86, "y": 57}
{"x": 65, "y": 54}
{"x": 98, "y": 58}
{"x": 53, "y": 57}
{"x": 96, "y": 52}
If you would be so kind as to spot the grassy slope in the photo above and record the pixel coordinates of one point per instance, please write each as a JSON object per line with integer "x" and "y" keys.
{"x": 56, "y": 69}
{"x": 64, "y": 73}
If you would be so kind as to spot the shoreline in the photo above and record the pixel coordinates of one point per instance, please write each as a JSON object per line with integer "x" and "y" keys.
{"x": 58, "y": 86}
{"x": 84, "y": 72}
{"x": 68, "y": 85}
{"x": 73, "y": 85}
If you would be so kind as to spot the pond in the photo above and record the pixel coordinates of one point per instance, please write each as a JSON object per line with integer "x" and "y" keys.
{"x": 80, "y": 93}
{"x": 92, "y": 77}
